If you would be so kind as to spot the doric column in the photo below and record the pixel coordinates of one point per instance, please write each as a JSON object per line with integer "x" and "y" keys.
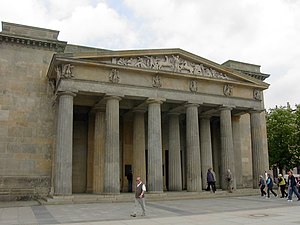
{"x": 216, "y": 149}
{"x": 175, "y": 178}
{"x": 237, "y": 146}
{"x": 139, "y": 159}
{"x": 257, "y": 146}
{"x": 112, "y": 147}
{"x": 205, "y": 148}
{"x": 99, "y": 150}
{"x": 64, "y": 140}
{"x": 155, "y": 175}
{"x": 90, "y": 152}
{"x": 193, "y": 149}
{"x": 227, "y": 155}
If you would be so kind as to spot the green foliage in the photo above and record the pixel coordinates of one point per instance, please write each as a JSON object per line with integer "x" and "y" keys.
{"x": 283, "y": 127}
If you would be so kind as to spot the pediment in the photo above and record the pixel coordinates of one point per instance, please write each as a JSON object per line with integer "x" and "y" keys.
{"x": 175, "y": 61}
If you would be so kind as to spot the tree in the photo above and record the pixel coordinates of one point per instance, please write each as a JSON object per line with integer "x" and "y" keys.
{"x": 283, "y": 128}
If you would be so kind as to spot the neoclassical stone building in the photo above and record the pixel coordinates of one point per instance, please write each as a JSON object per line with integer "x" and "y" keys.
{"x": 76, "y": 119}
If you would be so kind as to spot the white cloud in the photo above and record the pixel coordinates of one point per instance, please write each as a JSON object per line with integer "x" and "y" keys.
{"x": 263, "y": 32}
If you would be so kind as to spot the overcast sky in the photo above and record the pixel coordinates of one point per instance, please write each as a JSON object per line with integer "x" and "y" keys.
{"x": 262, "y": 32}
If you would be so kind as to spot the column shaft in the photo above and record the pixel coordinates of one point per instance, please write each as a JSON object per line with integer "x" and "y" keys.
{"x": 64, "y": 140}
{"x": 112, "y": 147}
{"x": 193, "y": 149}
{"x": 175, "y": 178}
{"x": 155, "y": 176}
{"x": 139, "y": 159}
{"x": 205, "y": 148}
{"x": 237, "y": 146}
{"x": 257, "y": 146}
{"x": 227, "y": 154}
{"x": 216, "y": 148}
{"x": 99, "y": 151}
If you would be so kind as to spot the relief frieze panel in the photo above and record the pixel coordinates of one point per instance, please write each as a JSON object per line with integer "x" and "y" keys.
{"x": 114, "y": 76}
{"x": 257, "y": 94}
{"x": 173, "y": 63}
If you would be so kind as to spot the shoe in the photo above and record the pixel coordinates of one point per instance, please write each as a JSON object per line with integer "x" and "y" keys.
{"x": 290, "y": 200}
{"x": 133, "y": 215}
{"x": 267, "y": 197}
{"x": 281, "y": 197}
{"x": 298, "y": 199}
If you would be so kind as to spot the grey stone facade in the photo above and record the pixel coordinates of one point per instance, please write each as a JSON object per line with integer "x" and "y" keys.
{"x": 75, "y": 119}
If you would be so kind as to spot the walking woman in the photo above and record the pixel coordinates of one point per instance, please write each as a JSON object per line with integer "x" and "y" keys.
{"x": 282, "y": 184}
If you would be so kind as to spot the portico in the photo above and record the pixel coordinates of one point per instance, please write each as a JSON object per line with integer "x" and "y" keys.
{"x": 167, "y": 115}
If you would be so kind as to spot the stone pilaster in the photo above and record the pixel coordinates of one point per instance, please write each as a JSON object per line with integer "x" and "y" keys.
{"x": 193, "y": 149}
{"x": 257, "y": 146}
{"x": 155, "y": 176}
{"x": 99, "y": 150}
{"x": 205, "y": 148}
{"x": 64, "y": 141}
{"x": 139, "y": 159}
{"x": 227, "y": 154}
{"x": 175, "y": 178}
{"x": 237, "y": 151}
{"x": 112, "y": 146}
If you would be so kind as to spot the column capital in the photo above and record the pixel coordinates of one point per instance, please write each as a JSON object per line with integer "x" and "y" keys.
{"x": 109, "y": 97}
{"x": 205, "y": 116}
{"x": 187, "y": 105}
{"x": 226, "y": 107}
{"x": 66, "y": 93}
{"x": 100, "y": 108}
{"x": 256, "y": 110}
{"x": 155, "y": 100}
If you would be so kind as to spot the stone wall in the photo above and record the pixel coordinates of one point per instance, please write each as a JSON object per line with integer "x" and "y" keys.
{"x": 26, "y": 120}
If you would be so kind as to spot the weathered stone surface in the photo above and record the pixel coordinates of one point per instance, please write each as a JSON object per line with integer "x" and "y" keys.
{"x": 33, "y": 132}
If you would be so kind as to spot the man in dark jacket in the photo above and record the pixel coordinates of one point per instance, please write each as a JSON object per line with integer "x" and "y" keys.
{"x": 292, "y": 186}
{"x": 262, "y": 185}
{"x": 211, "y": 180}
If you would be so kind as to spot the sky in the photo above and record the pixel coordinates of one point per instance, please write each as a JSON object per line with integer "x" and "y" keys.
{"x": 261, "y": 32}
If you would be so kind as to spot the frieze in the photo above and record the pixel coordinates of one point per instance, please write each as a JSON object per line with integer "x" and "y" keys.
{"x": 114, "y": 76}
{"x": 257, "y": 94}
{"x": 156, "y": 82}
{"x": 171, "y": 63}
{"x": 64, "y": 71}
{"x": 193, "y": 86}
{"x": 227, "y": 90}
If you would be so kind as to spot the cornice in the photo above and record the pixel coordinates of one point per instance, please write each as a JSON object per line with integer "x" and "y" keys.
{"x": 51, "y": 45}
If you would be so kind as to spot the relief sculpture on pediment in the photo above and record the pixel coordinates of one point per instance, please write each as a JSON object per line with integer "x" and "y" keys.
{"x": 171, "y": 63}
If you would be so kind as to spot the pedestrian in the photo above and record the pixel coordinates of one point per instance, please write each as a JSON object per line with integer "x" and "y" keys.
{"x": 270, "y": 186}
{"x": 129, "y": 179}
{"x": 139, "y": 197}
{"x": 298, "y": 184}
{"x": 229, "y": 181}
{"x": 282, "y": 184}
{"x": 211, "y": 180}
{"x": 262, "y": 185}
{"x": 292, "y": 186}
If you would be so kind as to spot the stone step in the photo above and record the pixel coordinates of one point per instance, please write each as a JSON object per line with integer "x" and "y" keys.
{"x": 129, "y": 197}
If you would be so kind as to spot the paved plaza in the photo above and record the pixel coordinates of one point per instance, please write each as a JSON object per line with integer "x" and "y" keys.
{"x": 228, "y": 210}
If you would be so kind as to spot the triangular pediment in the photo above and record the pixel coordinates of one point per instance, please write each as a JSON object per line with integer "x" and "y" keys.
{"x": 175, "y": 61}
